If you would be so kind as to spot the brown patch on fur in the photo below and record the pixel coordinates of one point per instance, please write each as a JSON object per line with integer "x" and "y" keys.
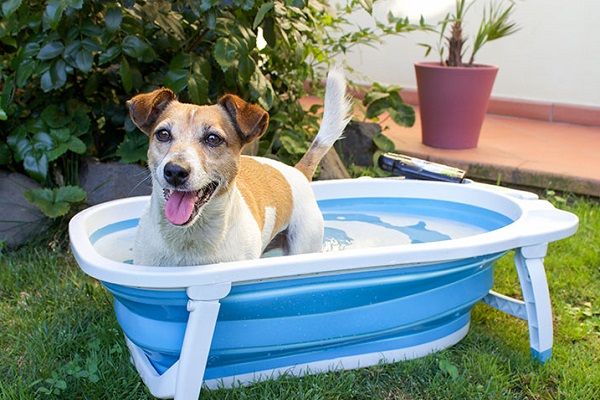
{"x": 250, "y": 120}
{"x": 263, "y": 186}
{"x": 145, "y": 109}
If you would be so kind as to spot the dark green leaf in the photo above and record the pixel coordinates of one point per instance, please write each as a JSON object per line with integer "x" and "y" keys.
{"x": 110, "y": 54}
{"x": 56, "y": 202}
{"x": 225, "y": 53}
{"x": 19, "y": 143}
{"x": 10, "y": 6}
{"x": 133, "y": 148}
{"x": 83, "y": 60}
{"x": 29, "y": 50}
{"x": 112, "y": 18}
{"x": 403, "y": 115}
{"x": 92, "y": 45}
{"x": 177, "y": 79}
{"x": 293, "y": 144}
{"x": 53, "y": 12}
{"x": 126, "y": 75}
{"x": 246, "y": 67}
{"x": 383, "y": 143}
{"x": 269, "y": 32}
{"x": 180, "y": 61}
{"x": 76, "y": 4}
{"x": 72, "y": 48}
{"x": 5, "y": 157}
{"x": 42, "y": 141}
{"x": 135, "y": 47}
{"x": 372, "y": 96}
{"x": 377, "y": 107}
{"x": 51, "y": 50}
{"x": 36, "y": 165}
{"x": 26, "y": 69}
{"x": 198, "y": 89}
{"x": 71, "y": 194}
{"x": 76, "y": 145}
{"x": 54, "y": 117}
{"x": 264, "y": 9}
{"x": 198, "y": 81}
{"x": 59, "y": 73}
{"x": 81, "y": 122}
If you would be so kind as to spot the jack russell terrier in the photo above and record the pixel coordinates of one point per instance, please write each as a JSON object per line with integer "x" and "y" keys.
{"x": 210, "y": 204}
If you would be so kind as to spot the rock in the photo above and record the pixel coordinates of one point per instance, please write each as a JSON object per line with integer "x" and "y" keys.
{"x": 110, "y": 181}
{"x": 332, "y": 167}
{"x": 357, "y": 146}
{"x": 19, "y": 219}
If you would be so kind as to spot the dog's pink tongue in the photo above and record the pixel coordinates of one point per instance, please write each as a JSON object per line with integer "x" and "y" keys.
{"x": 179, "y": 207}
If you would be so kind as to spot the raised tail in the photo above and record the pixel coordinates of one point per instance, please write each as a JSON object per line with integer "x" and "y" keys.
{"x": 336, "y": 115}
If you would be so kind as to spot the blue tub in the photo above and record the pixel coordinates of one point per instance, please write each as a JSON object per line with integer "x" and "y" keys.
{"x": 403, "y": 263}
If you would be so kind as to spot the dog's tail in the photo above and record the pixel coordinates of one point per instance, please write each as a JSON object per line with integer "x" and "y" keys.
{"x": 336, "y": 115}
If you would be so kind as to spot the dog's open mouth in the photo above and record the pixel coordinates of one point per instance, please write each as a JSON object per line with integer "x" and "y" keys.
{"x": 182, "y": 207}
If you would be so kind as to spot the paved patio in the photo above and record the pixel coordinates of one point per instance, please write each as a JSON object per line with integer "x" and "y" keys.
{"x": 519, "y": 152}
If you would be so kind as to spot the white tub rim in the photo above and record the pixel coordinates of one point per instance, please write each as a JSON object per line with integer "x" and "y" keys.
{"x": 536, "y": 223}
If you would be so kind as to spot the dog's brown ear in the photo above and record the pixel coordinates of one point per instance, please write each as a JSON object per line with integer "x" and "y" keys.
{"x": 145, "y": 109}
{"x": 250, "y": 120}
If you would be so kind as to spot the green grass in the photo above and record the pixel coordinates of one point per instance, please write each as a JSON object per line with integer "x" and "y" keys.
{"x": 59, "y": 338}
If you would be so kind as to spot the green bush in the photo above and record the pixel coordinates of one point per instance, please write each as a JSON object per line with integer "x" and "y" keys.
{"x": 68, "y": 66}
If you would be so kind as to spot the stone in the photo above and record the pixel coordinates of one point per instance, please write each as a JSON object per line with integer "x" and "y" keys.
{"x": 20, "y": 220}
{"x": 357, "y": 146}
{"x": 332, "y": 167}
{"x": 109, "y": 181}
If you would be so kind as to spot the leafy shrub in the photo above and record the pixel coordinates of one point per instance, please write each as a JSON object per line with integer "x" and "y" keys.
{"x": 68, "y": 66}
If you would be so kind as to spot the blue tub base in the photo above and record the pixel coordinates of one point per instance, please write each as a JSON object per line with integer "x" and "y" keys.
{"x": 161, "y": 385}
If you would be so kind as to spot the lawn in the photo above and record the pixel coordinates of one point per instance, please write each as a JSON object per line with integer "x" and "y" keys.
{"x": 59, "y": 337}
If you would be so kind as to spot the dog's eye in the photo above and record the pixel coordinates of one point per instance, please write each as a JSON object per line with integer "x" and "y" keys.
{"x": 213, "y": 140}
{"x": 163, "y": 135}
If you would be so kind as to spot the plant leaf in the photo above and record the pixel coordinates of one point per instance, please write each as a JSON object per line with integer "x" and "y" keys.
{"x": 403, "y": 115}
{"x": 177, "y": 79}
{"x": 83, "y": 60}
{"x": 126, "y": 75}
{"x": 112, "y": 18}
{"x": 225, "y": 53}
{"x": 260, "y": 15}
{"x": 51, "y": 50}
{"x": 133, "y": 148}
{"x": 53, "y": 12}
{"x": 55, "y": 202}
{"x": 10, "y": 6}
{"x": 26, "y": 69}
{"x": 383, "y": 143}
{"x": 54, "y": 117}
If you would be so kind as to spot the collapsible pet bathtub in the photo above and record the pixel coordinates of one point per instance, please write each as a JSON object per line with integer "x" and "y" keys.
{"x": 403, "y": 263}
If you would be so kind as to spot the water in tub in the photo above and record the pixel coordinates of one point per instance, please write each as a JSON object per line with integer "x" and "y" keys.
{"x": 355, "y": 223}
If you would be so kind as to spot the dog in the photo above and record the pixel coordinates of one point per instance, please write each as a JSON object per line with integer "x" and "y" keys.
{"x": 211, "y": 204}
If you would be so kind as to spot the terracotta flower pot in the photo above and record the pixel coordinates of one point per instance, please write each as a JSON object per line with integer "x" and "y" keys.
{"x": 453, "y": 102}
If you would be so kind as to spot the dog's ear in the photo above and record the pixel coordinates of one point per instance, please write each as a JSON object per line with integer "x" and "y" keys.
{"x": 145, "y": 109}
{"x": 250, "y": 120}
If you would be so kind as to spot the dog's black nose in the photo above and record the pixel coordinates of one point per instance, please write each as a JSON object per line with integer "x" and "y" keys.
{"x": 175, "y": 174}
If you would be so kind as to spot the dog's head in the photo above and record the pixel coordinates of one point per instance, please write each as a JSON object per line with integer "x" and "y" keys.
{"x": 194, "y": 151}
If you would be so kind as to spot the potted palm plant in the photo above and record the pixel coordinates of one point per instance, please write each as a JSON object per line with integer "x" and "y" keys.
{"x": 454, "y": 92}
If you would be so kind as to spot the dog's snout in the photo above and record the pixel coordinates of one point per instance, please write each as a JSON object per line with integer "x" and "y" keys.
{"x": 176, "y": 174}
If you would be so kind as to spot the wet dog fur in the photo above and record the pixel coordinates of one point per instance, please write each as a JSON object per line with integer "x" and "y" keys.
{"x": 210, "y": 203}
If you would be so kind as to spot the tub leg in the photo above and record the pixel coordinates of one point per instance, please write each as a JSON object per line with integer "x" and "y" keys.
{"x": 530, "y": 267}
{"x": 536, "y": 308}
{"x": 204, "y": 309}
